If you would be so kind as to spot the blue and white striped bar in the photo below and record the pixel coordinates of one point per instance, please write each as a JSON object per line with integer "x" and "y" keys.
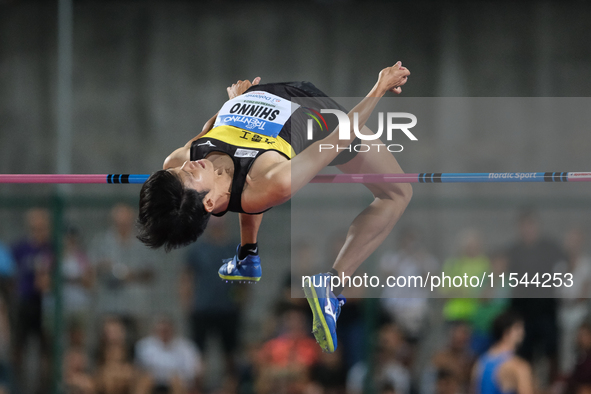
{"x": 424, "y": 177}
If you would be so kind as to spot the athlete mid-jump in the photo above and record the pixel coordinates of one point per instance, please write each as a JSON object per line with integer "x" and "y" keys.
{"x": 232, "y": 167}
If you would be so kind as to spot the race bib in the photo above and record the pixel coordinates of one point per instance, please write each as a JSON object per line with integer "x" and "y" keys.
{"x": 260, "y": 112}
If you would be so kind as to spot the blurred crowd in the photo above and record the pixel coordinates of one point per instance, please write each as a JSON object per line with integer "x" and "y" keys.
{"x": 402, "y": 343}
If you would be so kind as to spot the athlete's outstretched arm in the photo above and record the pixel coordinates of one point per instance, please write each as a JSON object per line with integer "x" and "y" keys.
{"x": 309, "y": 162}
{"x": 287, "y": 177}
{"x": 206, "y": 127}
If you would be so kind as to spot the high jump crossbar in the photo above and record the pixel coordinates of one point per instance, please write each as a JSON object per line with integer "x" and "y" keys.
{"x": 423, "y": 177}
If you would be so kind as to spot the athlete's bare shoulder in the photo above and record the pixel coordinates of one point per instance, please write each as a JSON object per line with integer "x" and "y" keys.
{"x": 177, "y": 158}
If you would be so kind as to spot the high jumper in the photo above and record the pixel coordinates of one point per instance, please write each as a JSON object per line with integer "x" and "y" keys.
{"x": 230, "y": 167}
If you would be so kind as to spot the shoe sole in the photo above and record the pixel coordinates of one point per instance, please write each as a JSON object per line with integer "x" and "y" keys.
{"x": 319, "y": 327}
{"x": 235, "y": 278}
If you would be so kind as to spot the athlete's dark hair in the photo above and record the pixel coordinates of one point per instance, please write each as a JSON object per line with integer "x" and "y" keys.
{"x": 503, "y": 323}
{"x": 171, "y": 215}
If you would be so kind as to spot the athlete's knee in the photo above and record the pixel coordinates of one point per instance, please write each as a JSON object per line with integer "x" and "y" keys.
{"x": 398, "y": 193}
{"x": 406, "y": 189}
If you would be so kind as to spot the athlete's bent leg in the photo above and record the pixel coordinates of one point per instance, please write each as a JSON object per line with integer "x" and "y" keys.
{"x": 372, "y": 226}
{"x": 367, "y": 232}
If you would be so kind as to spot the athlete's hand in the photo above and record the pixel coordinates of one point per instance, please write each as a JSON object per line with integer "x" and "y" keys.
{"x": 392, "y": 78}
{"x": 240, "y": 87}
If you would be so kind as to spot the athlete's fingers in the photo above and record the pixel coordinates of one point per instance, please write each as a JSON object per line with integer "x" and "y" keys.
{"x": 400, "y": 67}
{"x": 396, "y": 90}
{"x": 406, "y": 70}
{"x": 256, "y": 81}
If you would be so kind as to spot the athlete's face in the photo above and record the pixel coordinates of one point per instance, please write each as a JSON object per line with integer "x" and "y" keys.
{"x": 197, "y": 175}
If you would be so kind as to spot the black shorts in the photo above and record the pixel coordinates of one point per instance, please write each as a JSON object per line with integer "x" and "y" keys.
{"x": 294, "y": 130}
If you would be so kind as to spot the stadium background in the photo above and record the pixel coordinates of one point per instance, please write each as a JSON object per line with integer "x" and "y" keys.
{"x": 146, "y": 76}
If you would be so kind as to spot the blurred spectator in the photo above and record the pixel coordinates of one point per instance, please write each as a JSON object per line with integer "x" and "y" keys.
{"x": 574, "y": 306}
{"x": 446, "y": 382}
{"x": 170, "y": 362}
{"x": 456, "y": 357}
{"x": 78, "y": 277}
{"x": 387, "y": 388}
{"x": 7, "y": 270}
{"x": 329, "y": 374}
{"x": 283, "y": 363}
{"x": 293, "y": 345}
{"x": 115, "y": 372}
{"x": 214, "y": 306}
{"x": 494, "y": 301}
{"x": 304, "y": 261}
{"x": 472, "y": 262}
{"x": 5, "y": 370}
{"x": 247, "y": 376}
{"x": 500, "y": 370}
{"x": 535, "y": 254}
{"x": 579, "y": 381}
{"x": 125, "y": 271}
{"x": 33, "y": 256}
{"x": 408, "y": 306}
{"x": 77, "y": 379}
{"x": 388, "y": 372}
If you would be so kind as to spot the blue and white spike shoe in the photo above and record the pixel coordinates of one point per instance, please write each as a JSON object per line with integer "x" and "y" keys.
{"x": 326, "y": 308}
{"x": 247, "y": 270}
